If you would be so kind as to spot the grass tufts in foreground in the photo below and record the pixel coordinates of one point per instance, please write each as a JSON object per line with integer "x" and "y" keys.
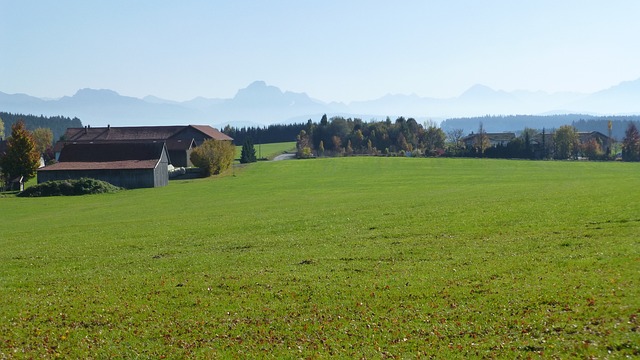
{"x": 347, "y": 257}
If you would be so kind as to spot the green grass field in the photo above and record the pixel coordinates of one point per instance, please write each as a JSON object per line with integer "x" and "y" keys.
{"x": 268, "y": 151}
{"x": 346, "y": 257}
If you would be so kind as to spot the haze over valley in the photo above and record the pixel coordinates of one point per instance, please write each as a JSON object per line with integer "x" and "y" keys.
{"x": 261, "y": 104}
{"x": 248, "y": 63}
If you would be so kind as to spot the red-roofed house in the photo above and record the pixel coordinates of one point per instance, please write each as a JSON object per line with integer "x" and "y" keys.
{"x": 128, "y": 165}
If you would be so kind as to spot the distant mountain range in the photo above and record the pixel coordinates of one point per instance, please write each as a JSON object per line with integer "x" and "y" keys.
{"x": 261, "y": 104}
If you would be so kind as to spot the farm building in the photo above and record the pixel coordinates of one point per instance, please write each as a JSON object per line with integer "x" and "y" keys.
{"x": 180, "y": 151}
{"x": 603, "y": 140}
{"x": 180, "y": 139}
{"x": 128, "y": 165}
{"x": 547, "y": 139}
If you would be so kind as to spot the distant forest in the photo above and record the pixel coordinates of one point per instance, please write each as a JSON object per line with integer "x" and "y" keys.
{"x": 57, "y": 124}
{"x": 264, "y": 135}
{"x": 516, "y": 123}
{"x": 618, "y": 125}
{"x": 513, "y": 123}
{"x": 340, "y": 135}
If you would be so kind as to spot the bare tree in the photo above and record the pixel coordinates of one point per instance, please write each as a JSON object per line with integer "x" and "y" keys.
{"x": 454, "y": 137}
{"x": 482, "y": 140}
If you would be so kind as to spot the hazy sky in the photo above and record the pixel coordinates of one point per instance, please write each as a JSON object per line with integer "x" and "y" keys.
{"x": 334, "y": 50}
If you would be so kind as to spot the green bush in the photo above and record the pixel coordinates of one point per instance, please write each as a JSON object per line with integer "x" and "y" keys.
{"x": 82, "y": 186}
{"x": 213, "y": 156}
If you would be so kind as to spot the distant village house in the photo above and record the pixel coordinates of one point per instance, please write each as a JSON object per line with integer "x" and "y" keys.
{"x": 542, "y": 143}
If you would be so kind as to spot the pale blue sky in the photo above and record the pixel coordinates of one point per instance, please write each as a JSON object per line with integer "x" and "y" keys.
{"x": 334, "y": 50}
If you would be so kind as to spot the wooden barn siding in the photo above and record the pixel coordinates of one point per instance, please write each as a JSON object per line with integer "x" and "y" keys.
{"x": 130, "y": 179}
{"x": 161, "y": 171}
{"x": 189, "y": 163}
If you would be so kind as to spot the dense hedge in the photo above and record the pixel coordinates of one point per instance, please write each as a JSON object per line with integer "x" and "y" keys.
{"x": 82, "y": 186}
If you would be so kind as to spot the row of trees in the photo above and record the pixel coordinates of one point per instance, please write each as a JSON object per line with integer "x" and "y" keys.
{"x": 43, "y": 130}
{"x": 563, "y": 143}
{"x": 264, "y": 135}
{"x": 338, "y": 136}
{"x": 56, "y": 124}
{"x": 581, "y": 122}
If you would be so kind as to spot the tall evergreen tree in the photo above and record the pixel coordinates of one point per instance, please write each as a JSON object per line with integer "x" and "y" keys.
{"x": 248, "y": 154}
{"x": 21, "y": 158}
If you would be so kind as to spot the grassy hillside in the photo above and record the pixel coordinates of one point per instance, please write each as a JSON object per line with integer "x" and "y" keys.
{"x": 269, "y": 151}
{"x": 346, "y": 257}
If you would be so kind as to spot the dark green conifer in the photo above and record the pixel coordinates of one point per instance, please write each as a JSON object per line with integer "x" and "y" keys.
{"x": 248, "y": 154}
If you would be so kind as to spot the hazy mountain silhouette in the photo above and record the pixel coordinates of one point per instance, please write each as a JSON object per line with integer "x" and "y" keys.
{"x": 262, "y": 104}
{"x": 623, "y": 98}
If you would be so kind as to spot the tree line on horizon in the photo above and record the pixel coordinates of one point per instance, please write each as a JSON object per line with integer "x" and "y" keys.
{"x": 29, "y": 139}
{"x": 339, "y": 136}
{"x": 57, "y": 124}
{"x": 582, "y": 122}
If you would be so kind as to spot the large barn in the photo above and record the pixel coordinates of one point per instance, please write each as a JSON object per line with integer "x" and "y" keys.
{"x": 128, "y": 165}
{"x": 180, "y": 139}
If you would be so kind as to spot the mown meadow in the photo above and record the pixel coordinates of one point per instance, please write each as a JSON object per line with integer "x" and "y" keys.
{"x": 363, "y": 257}
{"x": 269, "y": 151}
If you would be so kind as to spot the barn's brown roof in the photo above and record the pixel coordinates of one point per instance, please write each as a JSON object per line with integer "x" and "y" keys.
{"x": 213, "y": 133}
{"x": 179, "y": 144}
{"x": 137, "y": 133}
{"x": 120, "y": 133}
{"x": 108, "y": 155}
{"x": 105, "y": 165}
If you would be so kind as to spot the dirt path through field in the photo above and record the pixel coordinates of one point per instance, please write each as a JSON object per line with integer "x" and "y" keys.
{"x": 284, "y": 157}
